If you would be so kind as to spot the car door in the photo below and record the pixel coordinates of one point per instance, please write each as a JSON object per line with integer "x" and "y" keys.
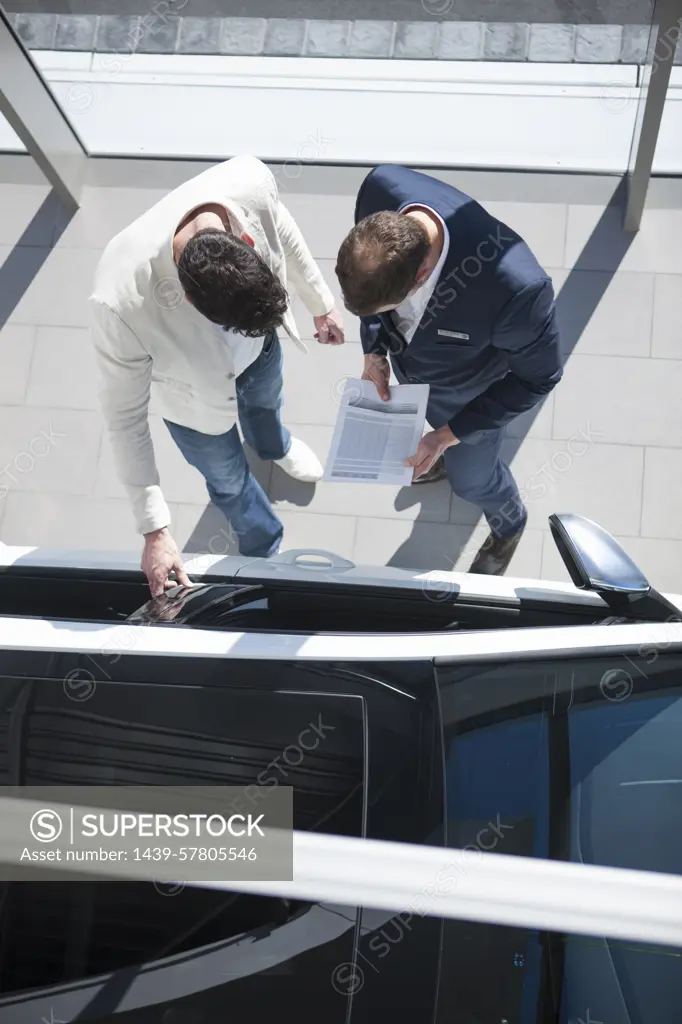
{"x": 569, "y": 749}
{"x": 358, "y": 740}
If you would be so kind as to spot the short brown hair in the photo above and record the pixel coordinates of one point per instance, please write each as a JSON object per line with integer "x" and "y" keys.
{"x": 378, "y": 261}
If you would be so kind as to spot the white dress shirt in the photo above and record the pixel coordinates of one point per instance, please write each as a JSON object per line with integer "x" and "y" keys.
{"x": 408, "y": 315}
{"x": 244, "y": 350}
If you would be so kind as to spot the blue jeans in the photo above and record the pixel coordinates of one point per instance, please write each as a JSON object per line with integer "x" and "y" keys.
{"x": 221, "y": 461}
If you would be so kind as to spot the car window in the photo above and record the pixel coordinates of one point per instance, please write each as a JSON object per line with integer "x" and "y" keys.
{"x": 496, "y": 973}
{"x": 279, "y": 605}
{"x": 128, "y": 734}
{"x": 577, "y": 760}
{"x": 162, "y": 952}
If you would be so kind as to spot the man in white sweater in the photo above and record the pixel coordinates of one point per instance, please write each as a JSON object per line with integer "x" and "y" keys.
{"x": 185, "y": 307}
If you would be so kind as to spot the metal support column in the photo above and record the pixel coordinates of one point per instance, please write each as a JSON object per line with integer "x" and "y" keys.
{"x": 32, "y": 111}
{"x": 665, "y": 33}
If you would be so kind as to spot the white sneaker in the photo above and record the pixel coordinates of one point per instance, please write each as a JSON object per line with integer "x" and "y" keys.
{"x": 301, "y": 462}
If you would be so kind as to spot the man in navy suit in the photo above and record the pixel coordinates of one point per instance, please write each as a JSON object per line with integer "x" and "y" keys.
{"x": 457, "y": 300}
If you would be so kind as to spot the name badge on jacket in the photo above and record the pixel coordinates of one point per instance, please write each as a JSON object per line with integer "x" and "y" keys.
{"x": 454, "y": 334}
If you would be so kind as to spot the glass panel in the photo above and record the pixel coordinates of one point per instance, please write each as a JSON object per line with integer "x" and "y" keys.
{"x": 577, "y": 761}
{"x": 62, "y": 932}
{"x": 163, "y": 953}
{"x": 497, "y": 974}
{"x": 518, "y": 85}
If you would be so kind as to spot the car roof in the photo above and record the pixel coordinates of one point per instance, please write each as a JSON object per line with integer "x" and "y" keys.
{"x": 319, "y": 567}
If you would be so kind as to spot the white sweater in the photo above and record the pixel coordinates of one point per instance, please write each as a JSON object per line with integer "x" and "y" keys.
{"x": 147, "y": 336}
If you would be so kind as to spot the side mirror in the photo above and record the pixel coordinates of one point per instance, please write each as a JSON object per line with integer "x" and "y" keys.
{"x": 595, "y": 561}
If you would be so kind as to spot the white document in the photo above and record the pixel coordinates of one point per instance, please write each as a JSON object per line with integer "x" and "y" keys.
{"x": 372, "y": 438}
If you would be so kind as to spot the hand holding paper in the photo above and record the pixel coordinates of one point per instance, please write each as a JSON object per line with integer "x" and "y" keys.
{"x": 374, "y": 438}
{"x": 431, "y": 447}
{"x": 378, "y": 370}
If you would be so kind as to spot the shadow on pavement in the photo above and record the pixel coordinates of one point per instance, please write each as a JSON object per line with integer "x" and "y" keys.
{"x": 31, "y": 252}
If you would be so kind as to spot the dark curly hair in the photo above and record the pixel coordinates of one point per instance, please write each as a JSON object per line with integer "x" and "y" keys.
{"x": 229, "y": 283}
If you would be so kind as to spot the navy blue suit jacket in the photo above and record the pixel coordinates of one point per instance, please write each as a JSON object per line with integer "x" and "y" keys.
{"x": 488, "y": 343}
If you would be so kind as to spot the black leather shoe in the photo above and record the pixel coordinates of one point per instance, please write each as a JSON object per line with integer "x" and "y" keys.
{"x": 436, "y": 473}
{"x": 497, "y": 552}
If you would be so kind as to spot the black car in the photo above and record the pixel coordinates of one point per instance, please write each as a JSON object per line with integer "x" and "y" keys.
{"x": 512, "y": 716}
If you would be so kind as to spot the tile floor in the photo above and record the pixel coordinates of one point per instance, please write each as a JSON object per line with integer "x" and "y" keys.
{"x": 607, "y": 444}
